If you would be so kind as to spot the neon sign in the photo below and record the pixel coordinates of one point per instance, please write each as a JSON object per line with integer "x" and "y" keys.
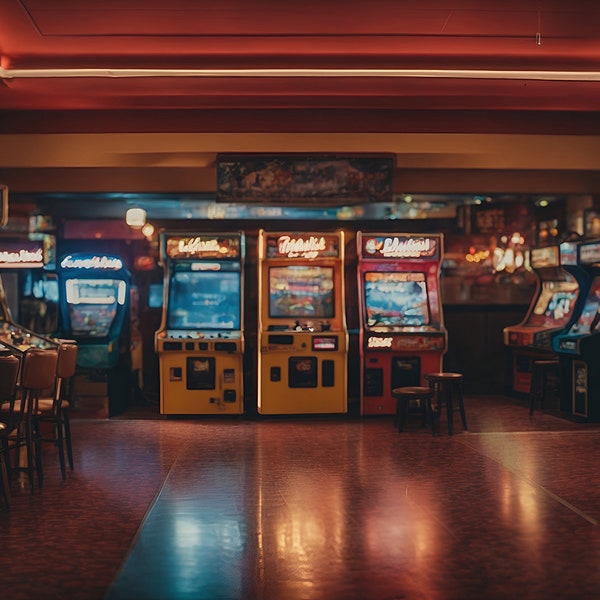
{"x": 21, "y": 258}
{"x": 103, "y": 263}
{"x": 198, "y": 246}
{"x": 589, "y": 253}
{"x": 401, "y": 247}
{"x": 201, "y": 247}
{"x": 300, "y": 247}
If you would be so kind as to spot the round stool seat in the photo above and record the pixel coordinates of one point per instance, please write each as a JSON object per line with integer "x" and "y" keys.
{"x": 444, "y": 384}
{"x": 414, "y": 390}
{"x": 444, "y": 377}
{"x": 404, "y": 395}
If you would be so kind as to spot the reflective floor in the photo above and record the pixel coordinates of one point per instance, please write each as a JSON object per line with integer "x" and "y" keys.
{"x": 313, "y": 508}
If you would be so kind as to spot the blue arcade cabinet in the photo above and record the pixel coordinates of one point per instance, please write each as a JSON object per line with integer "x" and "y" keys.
{"x": 578, "y": 348}
{"x": 94, "y": 311}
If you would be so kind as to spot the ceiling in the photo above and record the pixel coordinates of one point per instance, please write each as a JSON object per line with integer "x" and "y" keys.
{"x": 141, "y": 95}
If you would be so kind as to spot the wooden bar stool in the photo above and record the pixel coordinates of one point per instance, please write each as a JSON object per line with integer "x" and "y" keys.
{"x": 10, "y": 417}
{"x": 54, "y": 410}
{"x": 404, "y": 396}
{"x": 540, "y": 372}
{"x": 444, "y": 386}
{"x": 38, "y": 373}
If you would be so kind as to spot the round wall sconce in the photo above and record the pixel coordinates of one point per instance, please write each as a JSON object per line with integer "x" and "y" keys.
{"x": 148, "y": 230}
{"x": 135, "y": 217}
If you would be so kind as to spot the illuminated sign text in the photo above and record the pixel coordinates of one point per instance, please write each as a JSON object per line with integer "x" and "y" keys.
{"x": 379, "y": 342}
{"x": 589, "y": 253}
{"x": 398, "y": 247}
{"x": 306, "y": 248}
{"x": 106, "y": 263}
{"x": 21, "y": 257}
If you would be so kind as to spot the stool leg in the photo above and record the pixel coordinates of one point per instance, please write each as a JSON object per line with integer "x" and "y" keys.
{"x": 401, "y": 409}
{"x": 430, "y": 415}
{"x": 67, "y": 436}
{"x": 461, "y": 406}
{"x": 535, "y": 387}
{"x": 4, "y": 480}
{"x": 449, "y": 409}
{"x": 37, "y": 452}
{"x": 437, "y": 413}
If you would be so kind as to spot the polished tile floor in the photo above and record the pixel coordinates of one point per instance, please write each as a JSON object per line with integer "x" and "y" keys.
{"x": 313, "y": 508}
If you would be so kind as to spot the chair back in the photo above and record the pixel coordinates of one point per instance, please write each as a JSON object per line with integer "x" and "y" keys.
{"x": 10, "y": 413}
{"x": 9, "y": 371}
{"x": 39, "y": 369}
{"x": 67, "y": 360}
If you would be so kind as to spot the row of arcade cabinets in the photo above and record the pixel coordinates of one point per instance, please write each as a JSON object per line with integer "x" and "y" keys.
{"x": 302, "y": 337}
{"x": 82, "y": 298}
{"x": 562, "y": 322}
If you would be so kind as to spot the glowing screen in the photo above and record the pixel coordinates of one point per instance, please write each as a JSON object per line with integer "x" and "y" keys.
{"x": 204, "y": 300}
{"x": 93, "y": 305}
{"x": 590, "y": 315}
{"x": 301, "y": 291}
{"x": 396, "y": 299}
{"x": 555, "y": 304}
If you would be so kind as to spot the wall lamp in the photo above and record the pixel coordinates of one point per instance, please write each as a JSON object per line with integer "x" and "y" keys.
{"x": 135, "y": 217}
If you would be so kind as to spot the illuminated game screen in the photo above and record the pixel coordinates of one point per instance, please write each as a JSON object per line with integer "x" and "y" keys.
{"x": 555, "y": 304}
{"x": 590, "y": 315}
{"x": 301, "y": 291}
{"x": 93, "y": 305}
{"x": 204, "y": 300}
{"x": 396, "y": 299}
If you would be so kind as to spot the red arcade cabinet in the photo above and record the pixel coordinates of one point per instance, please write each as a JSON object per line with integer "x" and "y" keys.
{"x": 402, "y": 334}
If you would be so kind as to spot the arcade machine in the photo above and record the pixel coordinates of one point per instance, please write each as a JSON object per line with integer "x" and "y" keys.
{"x": 402, "y": 334}
{"x": 200, "y": 343}
{"x": 19, "y": 258}
{"x": 552, "y": 310}
{"x": 302, "y": 334}
{"x": 578, "y": 348}
{"x": 94, "y": 311}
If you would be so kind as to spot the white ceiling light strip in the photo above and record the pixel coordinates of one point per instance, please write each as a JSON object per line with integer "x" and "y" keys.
{"x": 9, "y": 74}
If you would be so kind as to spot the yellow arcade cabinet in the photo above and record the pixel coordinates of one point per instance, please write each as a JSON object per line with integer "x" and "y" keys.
{"x": 200, "y": 342}
{"x": 302, "y": 334}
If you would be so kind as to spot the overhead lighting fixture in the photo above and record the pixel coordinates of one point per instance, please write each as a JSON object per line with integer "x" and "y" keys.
{"x": 8, "y": 74}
